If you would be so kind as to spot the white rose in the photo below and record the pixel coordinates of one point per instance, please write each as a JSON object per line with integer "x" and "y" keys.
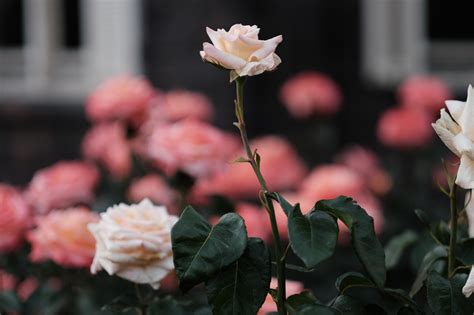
{"x": 457, "y": 132}
{"x": 134, "y": 242}
{"x": 240, "y": 50}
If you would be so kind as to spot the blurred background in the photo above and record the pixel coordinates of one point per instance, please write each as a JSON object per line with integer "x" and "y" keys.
{"x": 53, "y": 53}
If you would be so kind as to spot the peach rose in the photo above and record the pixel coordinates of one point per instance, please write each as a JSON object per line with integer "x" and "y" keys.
{"x": 367, "y": 164}
{"x": 192, "y": 146}
{"x": 134, "y": 242}
{"x": 14, "y": 218}
{"x": 240, "y": 50}
{"x": 256, "y": 220}
{"x": 424, "y": 92}
{"x": 181, "y": 104}
{"x": 280, "y": 165}
{"x": 63, "y": 237}
{"x": 154, "y": 188}
{"x": 124, "y": 98}
{"x": 62, "y": 185}
{"x": 310, "y": 93}
{"x": 107, "y": 143}
{"x": 404, "y": 128}
{"x": 292, "y": 287}
{"x": 7, "y": 281}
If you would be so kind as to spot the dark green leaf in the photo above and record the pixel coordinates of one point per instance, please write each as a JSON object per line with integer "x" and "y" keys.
{"x": 402, "y": 297}
{"x": 165, "y": 306}
{"x": 396, "y": 246}
{"x": 285, "y": 205}
{"x": 465, "y": 252}
{"x": 9, "y": 301}
{"x": 313, "y": 237}
{"x": 367, "y": 247}
{"x": 445, "y": 295}
{"x": 405, "y": 310}
{"x": 430, "y": 258}
{"x": 423, "y": 217}
{"x": 299, "y": 301}
{"x": 440, "y": 231}
{"x": 352, "y": 279}
{"x": 317, "y": 309}
{"x": 241, "y": 288}
{"x": 348, "y": 305}
{"x": 200, "y": 250}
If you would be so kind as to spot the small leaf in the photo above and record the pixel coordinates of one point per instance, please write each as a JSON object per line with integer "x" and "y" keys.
{"x": 233, "y": 76}
{"x": 241, "y": 160}
{"x": 285, "y": 205}
{"x": 403, "y": 298}
{"x": 313, "y": 237}
{"x": 241, "y": 288}
{"x": 396, "y": 246}
{"x": 348, "y": 305}
{"x": 299, "y": 301}
{"x": 200, "y": 250}
{"x": 367, "y": 247}
{"x": 430, "y": 258}
{"x": 352, "y": 279}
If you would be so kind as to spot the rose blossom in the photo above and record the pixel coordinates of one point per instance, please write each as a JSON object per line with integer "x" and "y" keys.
{"x": 192, "y": 146}
{"x": 367, "y": 164}
{"x": 292, "y": 288}
{"x": 240, "y": 50}
{"x": 181, "y": 104}
{"x": 14, "y": 218}
{"x": 154, "y": 188}
{"x": 310, "y": 93}
{"x": 26, "y": 288}
{"x": 123, "y": 98}
{"x": 134, "y": 242}
{"x": 404, "y": 128}
{"x": 456, "y": 130}
{"x": 256, "y": 221}
{"x": 7, "y": 281}
{"x": 423, "y": 92}
{"x": 63, "y": 237}
{"x": 107, "y": 144}
{"x": 62, "y": 185}
{"x": 281, "y": 167}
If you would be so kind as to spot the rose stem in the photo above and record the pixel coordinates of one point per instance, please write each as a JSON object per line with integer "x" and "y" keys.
{"x": 267, "y": 202}
{"x": 454, "y": 230}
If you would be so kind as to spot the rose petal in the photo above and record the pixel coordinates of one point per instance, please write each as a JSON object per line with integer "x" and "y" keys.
{"x": 465, "y": 177}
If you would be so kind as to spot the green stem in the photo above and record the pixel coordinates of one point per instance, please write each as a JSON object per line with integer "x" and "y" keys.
{"x": 454, "y": 230}
{"x": 268, "y": 203}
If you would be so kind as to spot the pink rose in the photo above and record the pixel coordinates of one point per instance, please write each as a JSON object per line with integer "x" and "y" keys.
{"x": 330, "y": 181}
{"x": 404, "y": 128}
{"x": 367, "y": 164}
{"x": 309, "y": 93}
{"x": 107, "y": 143}
{"x": 181, "y": 104}
{"x": 63, "y": 237}
{"x": 240, "y": 50}
{"x": 256, "y": 220}
{"x": 156, "y": 189}
{"x": 26, "y": 288}
{"x": 14, "y": 218}
{"x": 424, "y": 93}
{"x": 281, "y": 166}
{"x": 123, "y": 98}
{"x": 62, "y": 185}
{"x": 192, "y": 146}
{"x": 292, "y": 288}
{"x": 7, "y": 281}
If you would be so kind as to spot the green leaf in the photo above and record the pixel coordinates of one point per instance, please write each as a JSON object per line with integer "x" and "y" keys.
{"x": 241, "y": 288}
{"x": 313, "y": 237}
{"x": 348, "y": 305}
{"x": 200, "y": 250}
{"x": 367, "y": 247}
{"x": 352, "y": 279}
{"x": 165, "y": 306}
{"x": 9, "y": 301}
{"x": 317, "y": 309}
{"x": 299, "y": 301}
{"x": 285, "y": 205}
{"x": 403, "y": 298}
{"x": 430, "y": 258}
{"x": 465, "y": 252}
{"x": 423, "y": 217}
{"x": 440, "y": 295}
{"x": 396, "y": 246}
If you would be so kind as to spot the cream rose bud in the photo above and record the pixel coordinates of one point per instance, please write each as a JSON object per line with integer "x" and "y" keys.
{"x": 240, "y": 50}
{"x": 134, "y": 242}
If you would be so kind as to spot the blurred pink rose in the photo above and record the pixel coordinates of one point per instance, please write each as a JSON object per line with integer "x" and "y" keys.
{"x": 330, "y": 181}
{"x": 156, "y": 189}
{"x": 280, "y": 165}
{"x": 192, "y": 146}
{"x": 424, "y": 92}
{"x": 14, "y": 218}
{"x": 181, "y": 104}
{"x": 292, "y": 287}
{"x": 310, "y": 93}
{"x": 404, "y": 128}
{"x": 63, "y": 237}
{"x": 123, "y": 98}
{"x": 107, "y": 144}
{"x": 62, "y": 185}
{"x": 26, "y": 288}
{"x": 7, "y": 281}
{"x": 256, "y": 220}
{"x": 170, "y": 283}
{"x": 367, "y": 164}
